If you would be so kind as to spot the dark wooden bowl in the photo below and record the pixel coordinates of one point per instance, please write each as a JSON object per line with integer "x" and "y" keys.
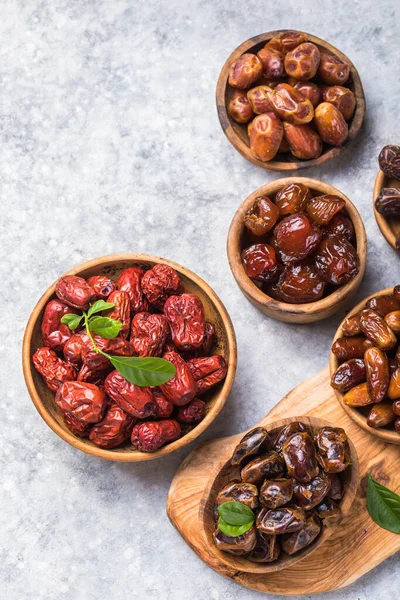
{"x": 283, "y": 311}
{"x": 225, "y": 473}
{"x": 112, "y": 265}
{"x": 390, "y": 228}
{"x": 237, "y": 133}
{"x": 389, "y": 435}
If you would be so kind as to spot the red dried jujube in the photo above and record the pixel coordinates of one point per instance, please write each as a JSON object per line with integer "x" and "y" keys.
{"x": 114, "y": 429}
{"x": 54, "y": 333}
{"x": 133, "y": 399}
{"x": 75, "y": 292}
{"x": 121, "y": 311}
{"x": 181, "y": 389}
{"x": 159, "y": 283}
{"x": 185, "y": 316}
{"x": 151, "y": 435}
{"x": 53, "y": 370}
{"x": 84, "y": 401}
{"x": 148, "y": 334}
{"x": 102, "y": 285}
{"x": 207, "y": 371}
{"x": 130, "y": 281}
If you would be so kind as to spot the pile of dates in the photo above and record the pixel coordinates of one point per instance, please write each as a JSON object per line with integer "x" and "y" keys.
{"x": 158, "y": 319}
{"x": 299, "y": 247}
{"x": 369, "y": 357}
{"x": 293, "y": 96}
{"x": 388, "y": 201}
{"x": 291, "y": 478}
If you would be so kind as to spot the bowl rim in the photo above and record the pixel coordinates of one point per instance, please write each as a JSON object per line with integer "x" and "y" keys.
{"x": 134, "y": 456}
{"x": 256, "y": 294}
{"x": 275, "y": 165}
{"x": 384, "y": 434}
{"x": 383, "y": 223}
{"x": 345, "y": 503}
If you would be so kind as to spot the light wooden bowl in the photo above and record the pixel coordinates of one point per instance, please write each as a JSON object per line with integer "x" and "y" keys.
{"x": 389, "y": 435}
{"x": 283, "y": 311}
{"x": 237, "y": 133}
{"x": 390, "y": 228}
{"x": 225, "y": 473}
{"x": 112, "y": 265}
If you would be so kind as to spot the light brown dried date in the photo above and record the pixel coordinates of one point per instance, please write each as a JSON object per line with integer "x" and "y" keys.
{"x": 394, "y": 385}
{"x": 245, "y": 71}
{"x": 323, "y": 208}
{"x": 383, "y": 304}
{"x": 341, "y": 97}
{"x": 381, "y": 415}
{"x": 290, "y": 105}
{"x": 349, "y": 374}
{"x": 159, "y": 283}
{"x": 330, "y": 124}
{"x": 309, "y": 90}
{"x": 292, "y": 198}
{"x": 262, "y": 216}
{"x": 302, "y": 62}
{"x": 53, "y": 370}
{"x": 337, "y": 260}
{"x": 332, "y": 70}
{"x": 296, "y": 237}
{"x": 239, "y": 108}
{"x": 358, "y": 396}
{"x": 75, "y": 292}
{"x": 133, "y": 399}
{"x": 148, "y": 334}
{"x": 351, "y": 325}
{"x": 258, "y": 99}
{"x": 392, "y": 319}
{"x": 185, "y": 316}
{"x": 265, "y": 136}
{"x": 272, "y": 63}
{"x": 84, "y": 401}
{"x": 287, "y": 41}
{"x": 304, "y": 142}
{"x": 375, "y": 329}
{"x": 346, "y": 348}
{"x": 377, "y": 371}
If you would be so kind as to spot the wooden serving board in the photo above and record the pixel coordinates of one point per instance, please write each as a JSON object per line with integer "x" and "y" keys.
{"x": 357, "y": 544}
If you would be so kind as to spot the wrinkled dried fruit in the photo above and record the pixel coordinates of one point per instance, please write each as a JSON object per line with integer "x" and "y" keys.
{"x": 121, "y": 311}
{"x": 383, "y": 304}
{"x": 285, "y": 519}
{"x": 286, "y": 432}
{"x": 335, "y": 492}
{"x": 333, "y": 450}
{"x": 375, "y": 329}
{"x": 54, "y": 333}
{"x": 349, "y": 374}
{"x": 309, "y": 90}
{"x": 75, "y": 292}
{"x": 337, "y": 260}
{"x": 84, "y": 401}
{"x": 323, "y": 208}
{"x": 341, "y": 97}
{"x": 245, "y": 71}
{"x": 164, "y": 407}
{"x": 73, "y": 348}
{"x": 302, "y": 62}
{"x": 290, "y": 105}
{"x": 185, "y": 316}
{"x": 193, "y": 412}
{"x": 352, "y": 347}
{"x": 262, "y": 216}
{"x": 250, "y": 444}
{"x": 332, "y": 70}
{"x": 389, "y": 161}
{"x": 394, "y": 385}
{"x": 351, "y": 325}
{"x": 266, "y": 549}
{"x": 303, "y": 141}
{"x": 307, "y": 495}
{"x": 236, "y": 491}
{"x": 133, "y": 399}
{"x": 148, "y": 334}
{"x": 115, "y": 346}
{"x": 149, "y": 436}
{"x": 207, "y": 371}
{"x": 381, "y": 415}
{"x": 340, "y": 226}
{"x": 388, "y": 202}
{"x": 238, "y": 545}
{"x": 330, "y": 124}
{"x": 265, "y": 135}
{"x": 272, "y": 63}
{"x": 53, "y": 370}
{"x": 114, "y": 429}
{"x": 297, "y": 284}
{"x": 300, "y": 458}
{"x": 276, "y": 492}
{"x": 292, "y": 198}
{"x": 392, "y": 319}
{"x": 239, "y": 107}
{"x": 130, "y": 281}
{"x": 181, "y": 389}
{"x": 159, "y": 283}
{"x": 301, "y": 539}
{"x": 358, "y": 396}
{"x": 328, "y": 510}
{"x": 258, "y": 98}
{"x": 260, "y": 263}
{"x": 102, "y": 285}
{"x": 267, "y": 466}
{"x": 296, "y": 237}
{"x": 285, "y": 42}
{"x": 377, "y": 371}
{"x": 78, "y": 428}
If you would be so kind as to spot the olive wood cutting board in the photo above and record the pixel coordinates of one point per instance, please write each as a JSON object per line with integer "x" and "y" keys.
{"x": 357, "y": 544}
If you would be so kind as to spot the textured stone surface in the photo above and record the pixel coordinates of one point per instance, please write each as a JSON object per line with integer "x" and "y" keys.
{"x": 110, "y": 142}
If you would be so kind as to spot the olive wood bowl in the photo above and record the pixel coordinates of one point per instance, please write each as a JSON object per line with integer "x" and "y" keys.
{"x": 237, "y": 133}
{"x": 283, "y": 311}
{"x": 387, "y": 434}
{"x": 112, "y": 265}
{"x": 390, "y": 228}
{"x": 225, "y": 473}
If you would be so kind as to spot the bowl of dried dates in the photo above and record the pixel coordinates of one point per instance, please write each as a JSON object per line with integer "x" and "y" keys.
{"x": 365, "y": 364}
{"x": 280, "y": 493}
{"x": 129, "y": 357}
{"x": 387, "y": 195}
{"x": 297, "y": 249}
{"x": 288, "y": 100}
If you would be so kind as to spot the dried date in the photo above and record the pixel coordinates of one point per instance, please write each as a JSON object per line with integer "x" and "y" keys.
{"x": 84, "y": 401}
{"x": 260, "y": 263}
{"x": 133, "y": 399}
{"x": 185, "y": 316}
{"x": 75, "y": 292}
{"x": 53, "y": 370}
{"x": 262, "y": 216}
{"x": 159, "y": 283}
{"x": 296, "y": 237}
{"x": 337, "y": 260}
{"x": 114, "y": 429}
{"x": 130, "y": 281}
{"x": 181, "y": 389}
{"x": 148, "y": 334}
{"x": 149, "y": 436}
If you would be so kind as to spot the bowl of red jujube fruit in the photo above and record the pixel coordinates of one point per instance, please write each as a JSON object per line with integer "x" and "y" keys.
{"x": 129, "y": 357}
{"x": 297, "y": 249}
{"x": 288, "y": 99}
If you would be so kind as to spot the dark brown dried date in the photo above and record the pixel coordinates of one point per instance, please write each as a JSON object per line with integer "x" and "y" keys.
{"x": 377, "y": 371}
{"x": 298, "y": 283}
{"x": 337, "y": 260}
{"x": 296, "y": 237}
{"x": 292, "y": 198}
{"x": 389, "y": 161}
{"x": 333, "y": 450}
{"x": 285, "y": 519}
{"x": 269, "y": 466}
{"x": 260, "y": 263}
{"x": 286, "y": 432}
{"x": 307, "y": 495}
{"x": 349, "y": 374}
{"x": 323, "y": 208}
{"x": 303, "y": 538}
{"x": 238, "y": 545}
{"x": 255, "y": 440}
{"x": 375, "y": 329}
{"x": 276, "y": 492}
{"x": 266, "y": 549}
{"x": 340, "y": 226}
{"x": 388, "y": 203}
{"x": 236, "y": 491}
{"x": 346, "y": 348}
{"x": 300, "y": 457}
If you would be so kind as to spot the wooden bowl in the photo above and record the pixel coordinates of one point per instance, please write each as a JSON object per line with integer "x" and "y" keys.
{"x": 237, "y": 133}
{"x": 283, "y": 311}
{"x": 390, "y": 228}
{"x": 389, "y": 435}
{"x": 112, "y": 265}
{"x": 225, "y": 473}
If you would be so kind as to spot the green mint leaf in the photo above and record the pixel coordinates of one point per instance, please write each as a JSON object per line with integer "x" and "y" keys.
{"x": 233, "y": 530}
{"x": 105, "y": 327}
{"x": 71, "y": 320}
{"x": 99, "y": 306}
{"x": 383, "y": 505}
{"x": 144, "y": 371}
{"x": 236, "y": 513}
